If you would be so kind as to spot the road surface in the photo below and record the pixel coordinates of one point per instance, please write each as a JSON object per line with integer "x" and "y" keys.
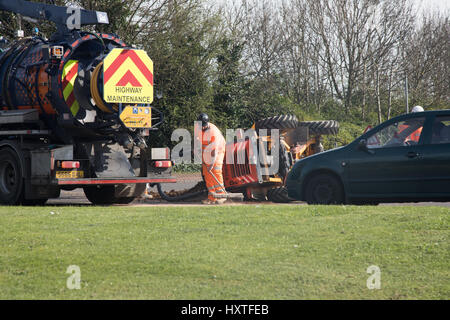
{"x": 187, "y": 181}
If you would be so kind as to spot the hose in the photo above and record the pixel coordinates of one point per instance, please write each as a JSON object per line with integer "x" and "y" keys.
{"x": 98, "y": 38}
{"x": 95, "y": 92}
{"x": 180, "y": 198}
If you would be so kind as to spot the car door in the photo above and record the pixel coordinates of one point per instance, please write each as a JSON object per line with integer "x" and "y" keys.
{"x": 387, "y": 167}
{"x": 435, "y": 164}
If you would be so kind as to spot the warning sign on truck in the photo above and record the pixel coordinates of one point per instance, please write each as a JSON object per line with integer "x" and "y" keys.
{"x": 137, "y": 117}
{"x": 128, "y": 77}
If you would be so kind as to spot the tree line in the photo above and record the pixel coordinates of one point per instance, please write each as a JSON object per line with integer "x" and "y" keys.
{"x": 241, "y": 61}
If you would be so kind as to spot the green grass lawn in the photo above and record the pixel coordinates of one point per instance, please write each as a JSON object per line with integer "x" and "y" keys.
{"x": 238, "y": 252}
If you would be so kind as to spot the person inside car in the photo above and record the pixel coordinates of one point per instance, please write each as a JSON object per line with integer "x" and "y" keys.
{"x": 405, "y": 132}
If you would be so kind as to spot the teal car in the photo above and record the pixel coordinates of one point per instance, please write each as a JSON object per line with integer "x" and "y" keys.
{"x": 405, "y": 159}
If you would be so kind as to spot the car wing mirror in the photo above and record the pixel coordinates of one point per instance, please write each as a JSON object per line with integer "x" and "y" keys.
{"x": 362, "y": 145}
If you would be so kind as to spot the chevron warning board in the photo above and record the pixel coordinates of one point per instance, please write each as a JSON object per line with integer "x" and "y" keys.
{"x": 69, "y": 76}
{"x": 128, "y": 77}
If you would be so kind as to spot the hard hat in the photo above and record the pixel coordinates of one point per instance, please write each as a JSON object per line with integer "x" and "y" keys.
{"x": 203, "y": 117}
{"x": 417, "y": 109}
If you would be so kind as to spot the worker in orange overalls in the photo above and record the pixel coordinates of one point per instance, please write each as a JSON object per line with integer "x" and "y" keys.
{"x": 213, "y": 153}
{"x": 415, "y": 136}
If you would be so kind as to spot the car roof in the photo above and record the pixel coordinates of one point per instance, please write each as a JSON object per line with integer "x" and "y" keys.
{"x": 424, "y": 114}
{"x": 436, "y": 111}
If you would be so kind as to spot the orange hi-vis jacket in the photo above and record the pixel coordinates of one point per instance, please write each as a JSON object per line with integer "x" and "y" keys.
{"x": 415, "y": 136}
{"x": 213, "y": 154}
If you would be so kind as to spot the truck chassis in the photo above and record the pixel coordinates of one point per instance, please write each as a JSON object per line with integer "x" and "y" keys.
{"x": 33, "y": 169}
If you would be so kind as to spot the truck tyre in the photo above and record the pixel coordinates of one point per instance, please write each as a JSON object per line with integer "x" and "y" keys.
{"x": 278, "y": 195}
{"x": 258, "y": 196}
{"x": 34, "y": 202}
{"x": 105, "y": 195}
{"x": 285, "y": 161}
{"x": 11, "y": 180}
{"x": 100, "y": 195}
{"x": 126, "y": 200}
{"x": 324, "y": 189}
{"x": 278, "y": 122}
{"x": 321, "y": 127}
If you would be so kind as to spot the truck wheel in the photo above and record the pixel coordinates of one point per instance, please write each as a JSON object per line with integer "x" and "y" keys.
{"x": 278, "y": 195}
{"x": 278, "y": 122}
{"x": 324, "y": 189}
{"x": 100, "y": 195}
{"x": 126, "y": 200}
{"x": 11, "y": 180}
{"x": 321, "y": 127}
{"x": 105, "y": 195}
{"x": 34, "y": 202}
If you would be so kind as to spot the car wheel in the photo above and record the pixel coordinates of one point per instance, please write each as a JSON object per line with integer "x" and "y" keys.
{"x": 364, "y": 203}
{"x": 324, "y": 189}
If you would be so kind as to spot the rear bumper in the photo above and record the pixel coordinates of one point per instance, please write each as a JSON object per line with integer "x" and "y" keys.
{"x": 98, "y": 181}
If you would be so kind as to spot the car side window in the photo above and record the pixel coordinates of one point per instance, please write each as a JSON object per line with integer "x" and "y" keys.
{"x": 441, "y": 130}
{"x": 404, "y": 133}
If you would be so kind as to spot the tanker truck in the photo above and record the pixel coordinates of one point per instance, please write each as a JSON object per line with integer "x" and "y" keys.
{"x": 75, "y": 112}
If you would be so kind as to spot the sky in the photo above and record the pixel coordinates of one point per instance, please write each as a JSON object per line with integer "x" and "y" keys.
{"x": 426, "y": 5}
{"x": 443, "y": 5}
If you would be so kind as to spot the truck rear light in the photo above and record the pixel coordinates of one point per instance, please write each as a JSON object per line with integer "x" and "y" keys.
{"x": 160, "y": 153}
{"x": 163, "y": 164}
{"x": 70, "y": 164}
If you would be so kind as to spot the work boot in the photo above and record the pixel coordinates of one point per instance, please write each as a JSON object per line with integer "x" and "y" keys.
{"x": 221, "y": 201}
{"x": 207, "y": 201}
{"x": 147, "y": 195}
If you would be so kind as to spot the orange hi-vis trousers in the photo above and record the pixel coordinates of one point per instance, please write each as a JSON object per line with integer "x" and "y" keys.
{"x": 214, "y": 181}
{"x": 213, "y": 154}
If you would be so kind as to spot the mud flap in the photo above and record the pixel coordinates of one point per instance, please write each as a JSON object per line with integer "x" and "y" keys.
{"x": 111, "y": 161}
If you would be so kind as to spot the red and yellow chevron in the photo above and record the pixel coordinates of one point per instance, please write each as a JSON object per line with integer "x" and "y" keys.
{"x": 128, "y": 77}
{"x": 69, "y": 76}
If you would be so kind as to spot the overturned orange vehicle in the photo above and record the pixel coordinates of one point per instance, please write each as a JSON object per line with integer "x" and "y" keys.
{"x": 255, "y": 170}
